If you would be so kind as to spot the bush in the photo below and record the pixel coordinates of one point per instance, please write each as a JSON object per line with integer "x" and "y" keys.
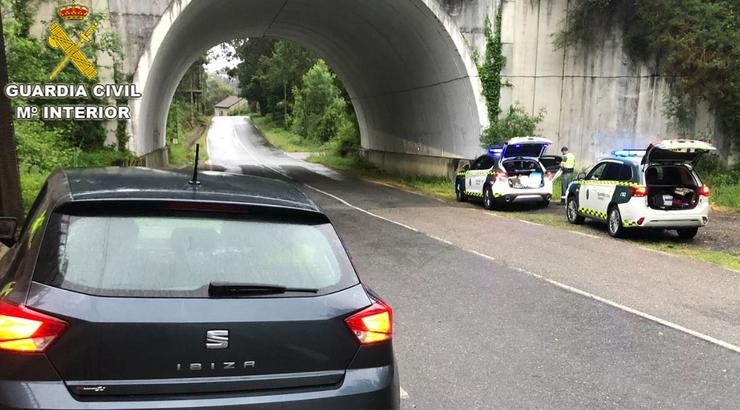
{"x": 41, "y": 149}
{"x": 347, "y": 140}
{"x": 31, "y": 182}
{"x": 517, "y": 123}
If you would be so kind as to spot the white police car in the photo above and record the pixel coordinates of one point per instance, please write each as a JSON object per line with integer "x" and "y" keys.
{"x": 514, "y": 173}
{"x": 653, "y": 188}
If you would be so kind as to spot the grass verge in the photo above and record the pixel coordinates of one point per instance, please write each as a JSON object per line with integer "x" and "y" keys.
{"x": 726, "y": 197}
{"x": 180, "y": 155}
{"x": 282, "y": 138}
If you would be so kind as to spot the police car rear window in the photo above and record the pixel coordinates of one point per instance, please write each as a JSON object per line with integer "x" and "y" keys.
{"x": 166, "y": 256}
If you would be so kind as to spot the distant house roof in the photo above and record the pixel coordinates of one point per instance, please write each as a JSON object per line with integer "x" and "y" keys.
{"x": 229, "y": 102}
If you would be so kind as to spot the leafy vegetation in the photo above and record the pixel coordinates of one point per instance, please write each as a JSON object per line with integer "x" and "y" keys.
{"x": 517, "y": 123}
{"x": 269, "y": 72}
{"x": 723, "y": 181}
{"x": 694, "y": 44}
{"x": 490, "y": 69}
{"x": 186, "y": 125}
{"x": 295, "y": 91}
{"x": 46, "y": 145}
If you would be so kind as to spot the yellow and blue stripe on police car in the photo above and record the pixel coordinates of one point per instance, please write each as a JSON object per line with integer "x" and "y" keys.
{"x": 620, "y": 195}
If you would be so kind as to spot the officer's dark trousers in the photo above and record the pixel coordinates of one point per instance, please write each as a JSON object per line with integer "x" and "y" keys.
{"x": 566, "y": 180}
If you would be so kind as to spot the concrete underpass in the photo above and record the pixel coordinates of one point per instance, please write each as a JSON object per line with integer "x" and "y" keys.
{"x": 406, "y": 67}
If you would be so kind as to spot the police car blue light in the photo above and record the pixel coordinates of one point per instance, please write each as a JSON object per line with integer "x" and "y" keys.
{"x": 629, "y": 152}
{"x": 496, "y": 150}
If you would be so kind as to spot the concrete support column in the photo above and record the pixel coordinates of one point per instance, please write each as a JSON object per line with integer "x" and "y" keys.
{"x": 157, "y": 159}
{"x": 413, "y": 164}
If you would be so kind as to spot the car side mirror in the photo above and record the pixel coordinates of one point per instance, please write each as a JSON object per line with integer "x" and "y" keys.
{"x": 7, "y": 230}
{"x": 581, "y": 175}
{"x": 466, "y": 167}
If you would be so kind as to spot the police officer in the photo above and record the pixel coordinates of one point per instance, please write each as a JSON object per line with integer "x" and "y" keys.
{"x": 569, "y": 165}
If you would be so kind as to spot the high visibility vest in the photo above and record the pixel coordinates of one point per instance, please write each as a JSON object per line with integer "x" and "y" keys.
{"x": 570, "y": 161}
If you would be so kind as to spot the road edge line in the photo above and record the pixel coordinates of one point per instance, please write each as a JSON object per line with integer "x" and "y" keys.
{"x": 639, "y": 313}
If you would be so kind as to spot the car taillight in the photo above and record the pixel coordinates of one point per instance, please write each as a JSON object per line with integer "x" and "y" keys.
{"x": 23, "y": 330}
{"x": 373, "y": 324}
{"x": 704, "y": 191}
{"x": 548, "y": 175}
{"x": 639, "y": 191}
{"x": 502, "y": 176}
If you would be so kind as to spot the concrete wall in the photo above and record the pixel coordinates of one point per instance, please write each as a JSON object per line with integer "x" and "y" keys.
{"x": 596, "y": 99}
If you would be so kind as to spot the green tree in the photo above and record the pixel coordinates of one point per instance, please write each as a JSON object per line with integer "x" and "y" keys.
{"x": 249, "y": 51}
{"x": 319, "y": 108}
{"x": 279, "y": 72}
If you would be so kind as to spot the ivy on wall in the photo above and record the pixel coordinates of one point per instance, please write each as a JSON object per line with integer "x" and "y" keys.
{"x": 490, "y": 69}
{"x": 517, "y": 122}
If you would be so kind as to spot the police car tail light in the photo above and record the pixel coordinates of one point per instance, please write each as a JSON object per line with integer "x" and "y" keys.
{"x": 373, "y": 324}
{"x": 639, "y": 191}
{"x": 548, "y": 175}
{"x": 704, "y": 191}
{"x": 502, "y": 176}
{"x": 23, "y": 330}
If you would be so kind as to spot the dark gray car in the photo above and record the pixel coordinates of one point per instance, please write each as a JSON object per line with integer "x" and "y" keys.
{"x": 131, "y": 288}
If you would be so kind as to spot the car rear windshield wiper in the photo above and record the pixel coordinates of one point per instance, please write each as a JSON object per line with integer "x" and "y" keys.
{"x": 221, "y": 289}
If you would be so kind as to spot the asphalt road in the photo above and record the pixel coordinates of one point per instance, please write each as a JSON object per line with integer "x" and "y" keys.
{"x": 492, "y": 312}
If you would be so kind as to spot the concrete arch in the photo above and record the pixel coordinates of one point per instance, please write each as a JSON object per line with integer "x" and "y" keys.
{"x": 404, "y": 63}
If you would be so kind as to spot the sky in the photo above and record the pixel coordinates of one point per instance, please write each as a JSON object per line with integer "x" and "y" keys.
{"x": 219, "y": 60}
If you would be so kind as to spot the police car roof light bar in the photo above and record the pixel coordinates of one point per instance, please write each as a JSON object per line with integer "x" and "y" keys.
{"x": 629, "y": 152}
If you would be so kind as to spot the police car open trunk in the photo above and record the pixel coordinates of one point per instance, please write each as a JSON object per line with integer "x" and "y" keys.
{"x": 524, "y": 173}
{"x": 521, "y": 161}
{"x": 670, "y": 179}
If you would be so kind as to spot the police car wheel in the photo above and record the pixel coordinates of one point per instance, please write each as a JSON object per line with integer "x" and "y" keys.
{"x": 614, "y": 223}
{"x": 572, "y": 212}
{"x": 687, "y": 233}
{"x": 459, "y": 194}
{"x": 488, "y": 198}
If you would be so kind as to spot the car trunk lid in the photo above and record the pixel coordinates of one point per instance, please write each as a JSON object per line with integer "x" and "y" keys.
{"x": 676, "y": 152}
{"x": 118, "y": 346}
{"x": 526, "y": 147}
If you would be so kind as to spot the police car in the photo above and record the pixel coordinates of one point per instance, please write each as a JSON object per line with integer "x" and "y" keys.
{"x": 653, "y": 188}
{"x": 514, "y": 173}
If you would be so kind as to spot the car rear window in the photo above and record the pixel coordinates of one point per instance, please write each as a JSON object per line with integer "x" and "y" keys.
{"x": 157, "y": 256}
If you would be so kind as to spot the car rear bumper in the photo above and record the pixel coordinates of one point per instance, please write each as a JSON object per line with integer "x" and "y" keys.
{"x": 697, "y": 221}
{"x": 519, "y": 198}
{"x": 369, "y": 388}
{"x": 643, "y": 217}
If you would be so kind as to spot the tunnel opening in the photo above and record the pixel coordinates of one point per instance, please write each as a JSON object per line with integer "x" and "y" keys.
{"x": 408, "y": 73}
{"x": 282, "y": 88}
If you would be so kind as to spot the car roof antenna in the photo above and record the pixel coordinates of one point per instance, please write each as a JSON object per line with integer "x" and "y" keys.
{"x": 195, "y": 181}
